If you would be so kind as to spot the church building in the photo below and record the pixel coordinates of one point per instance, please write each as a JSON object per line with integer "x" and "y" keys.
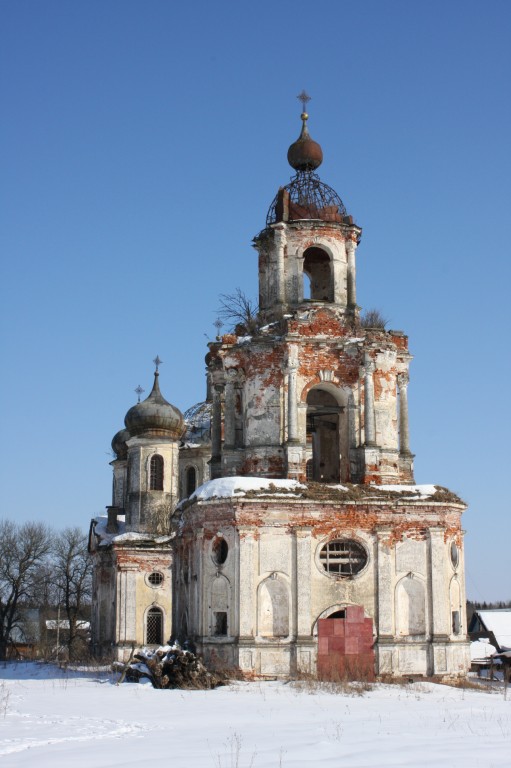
{"x": 277, "y": 526}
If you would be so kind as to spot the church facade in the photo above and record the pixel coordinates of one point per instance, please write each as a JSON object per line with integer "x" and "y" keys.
{"x": 277, "y": 526}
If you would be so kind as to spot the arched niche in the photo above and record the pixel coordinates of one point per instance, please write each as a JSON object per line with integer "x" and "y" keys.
{"x": 410, "y": 606}
{"x": 273, "y": 607}
{"x": 328, "y": 434}
{"x": 318, "y": 283}
{"x": 456, "y": 607}
{"x": 219, "y": 594}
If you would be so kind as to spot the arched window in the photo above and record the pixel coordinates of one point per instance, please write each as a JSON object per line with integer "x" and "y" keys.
{"x": 191, "y": 480}
{"x": 154, "y": 626}
{"x": 317, "y": 268}
{"x": 156, "y": 473}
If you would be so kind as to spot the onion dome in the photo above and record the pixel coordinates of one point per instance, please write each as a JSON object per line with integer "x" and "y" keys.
{"x": 119, "y": 446}
{"x": 306, "y": 196}
{"x": 305, "y": 154}
{"x": 154, "y": 416}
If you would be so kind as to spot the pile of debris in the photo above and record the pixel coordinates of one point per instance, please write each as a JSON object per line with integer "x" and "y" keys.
{"x": 170, "y": 666}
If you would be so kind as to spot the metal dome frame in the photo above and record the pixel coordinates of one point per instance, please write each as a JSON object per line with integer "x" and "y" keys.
{"x": 308, "y": 191}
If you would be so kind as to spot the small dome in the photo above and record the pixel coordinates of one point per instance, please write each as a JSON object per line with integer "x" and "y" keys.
{"x": 119, "y": 446}
{"x": 154, "y": 416}
{"x": 305, "y": 154}
{"x": 198, "y": 423}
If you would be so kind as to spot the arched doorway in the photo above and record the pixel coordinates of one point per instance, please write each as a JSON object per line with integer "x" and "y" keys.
{"x": 326, "y": 437}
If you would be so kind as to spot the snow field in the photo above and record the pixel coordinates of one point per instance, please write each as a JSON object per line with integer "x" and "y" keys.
{"x": 82, "y": 719}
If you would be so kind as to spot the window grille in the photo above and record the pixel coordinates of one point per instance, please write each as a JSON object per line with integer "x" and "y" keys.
{"x": 343, "y": 557}
{"x": 156, "y": 473}
{"x": 155, "y": 578}
{"x": 154, "y": 634}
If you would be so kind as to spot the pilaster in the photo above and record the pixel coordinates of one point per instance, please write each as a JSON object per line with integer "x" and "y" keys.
{"x": 439, "y": 587}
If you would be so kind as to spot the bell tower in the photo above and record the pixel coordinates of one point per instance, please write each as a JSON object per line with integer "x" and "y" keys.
{"x": 312, "y": 394}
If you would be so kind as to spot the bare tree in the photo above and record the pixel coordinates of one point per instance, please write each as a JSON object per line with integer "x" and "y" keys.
{"x": 240, "y": 311}
{"x": 72, "y": 569}
{"x": 23, "y": 549}
{"x": 373, "y": 318}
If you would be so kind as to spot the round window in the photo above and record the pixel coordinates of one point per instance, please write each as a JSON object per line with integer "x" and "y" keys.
{"x": 155, "y": 578}
{"x": 220, "y": 550}
{"x": 455, "y": 554}
{"x": 343, "y": 557}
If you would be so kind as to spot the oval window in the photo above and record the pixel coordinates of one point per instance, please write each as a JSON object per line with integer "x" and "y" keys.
{"x": 455, "y": 555}
{"x": 220, "y": 550}
{"x": 155, "y": 579}
{"x": 343, "y": 557}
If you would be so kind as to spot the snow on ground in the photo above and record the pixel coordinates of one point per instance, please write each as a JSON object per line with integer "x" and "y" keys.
{"x": 51, "y": 719}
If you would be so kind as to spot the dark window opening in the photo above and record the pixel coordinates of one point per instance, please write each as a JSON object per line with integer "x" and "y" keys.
{"x": 317, "y": 269}
{"x": 220, "y": 551}
{"x": 191, "y": 480}
{"x": 156, "y": 473}
{"x": 343, "y": 557}
{"x": 309, "y": 470}
{"x": 220, "y": 623}
{"x": 154, "y": 633}
{"x": 323, "y": 434}
{"x": 456, "y": 623}
{"x": 155, "y": 578}
{"x": 337, "y": 615}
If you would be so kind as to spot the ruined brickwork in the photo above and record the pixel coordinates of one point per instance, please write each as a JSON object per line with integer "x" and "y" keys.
{"x": 311, "y": 515}
{"x": 272, "y": 587}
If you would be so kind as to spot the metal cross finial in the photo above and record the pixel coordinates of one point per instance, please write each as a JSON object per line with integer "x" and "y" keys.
{"x": 218, "y": 324}
{"x": 157, "y": 362}
{"x": 139, "y": 391}
{"x": 304, "y": 98}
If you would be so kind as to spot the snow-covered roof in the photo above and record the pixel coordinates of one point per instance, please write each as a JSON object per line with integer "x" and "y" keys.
{"x": 198, "y": 424}
{"x": 499, "y": 622}
{"x": 105, "y": 538}
{"x": 481, "y": 650}
{"x": 416, "y": 491}
{"x": 228, "y": 487}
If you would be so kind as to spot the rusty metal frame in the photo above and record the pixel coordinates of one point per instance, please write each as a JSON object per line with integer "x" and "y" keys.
{"x": 308, "y": 191}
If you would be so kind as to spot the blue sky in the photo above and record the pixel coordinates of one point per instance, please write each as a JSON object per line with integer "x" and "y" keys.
{"x": 141, "y": 146}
